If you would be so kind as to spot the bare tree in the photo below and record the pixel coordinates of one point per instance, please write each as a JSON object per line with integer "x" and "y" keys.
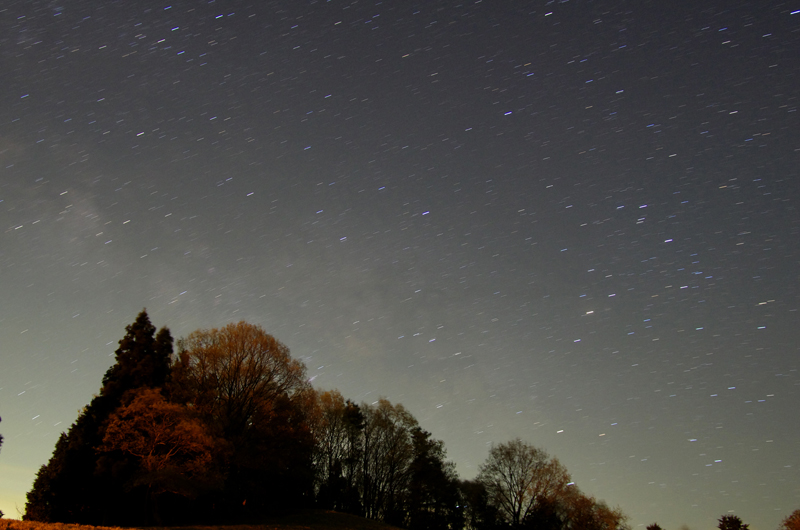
{"x": 338, "y": 432}
{"x": 519, "y": 478}
{"x": 245, "y": 385}
{"x": 387, "y": 455}
{"x": 233, "y": 373}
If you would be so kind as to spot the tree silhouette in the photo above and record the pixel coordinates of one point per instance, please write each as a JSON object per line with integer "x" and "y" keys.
{"x": 338, "y": 432}
{"x": 433, "y": 500}
{"x": 78, "y": 485}
{"x": 731, "y": 522}
{"x": 1, "y": 444}
{"x": 387, "y": 456}
{"x": 479, "y": 513}
{"x": 520, "y": 477}
{"x": 654, "y": 526}
{"x": 231, "y": 429}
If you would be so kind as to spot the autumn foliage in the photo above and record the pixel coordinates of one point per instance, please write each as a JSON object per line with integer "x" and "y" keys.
{"x": 792, "y": 522}
{"x": 228, "y": 429}
{"x": 172, "y": 446}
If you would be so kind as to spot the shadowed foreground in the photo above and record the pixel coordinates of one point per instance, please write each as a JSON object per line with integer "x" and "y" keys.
{"x": 312, "y": 520}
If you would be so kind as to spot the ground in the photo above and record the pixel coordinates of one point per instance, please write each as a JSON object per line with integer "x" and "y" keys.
{"x": 313, "y": 520}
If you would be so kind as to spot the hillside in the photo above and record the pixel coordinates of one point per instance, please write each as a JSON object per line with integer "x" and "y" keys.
{"x": 313, "y": 520}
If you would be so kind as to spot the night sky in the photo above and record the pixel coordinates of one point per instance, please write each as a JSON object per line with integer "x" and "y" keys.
{"x": 572, "y": 222}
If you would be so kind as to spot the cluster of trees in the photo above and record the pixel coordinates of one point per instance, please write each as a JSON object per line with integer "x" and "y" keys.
{"x": 216, "y": 431}
{"x": 734, "y": 522}
{"x": 228, "y": 428}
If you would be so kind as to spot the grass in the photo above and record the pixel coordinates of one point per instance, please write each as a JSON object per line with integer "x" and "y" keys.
{"x": 311, "y": 520}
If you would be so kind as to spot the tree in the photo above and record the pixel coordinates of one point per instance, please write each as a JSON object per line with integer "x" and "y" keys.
{"x": 654, "y": 526}
{"x": 230, "y": 374}
{"x": 42, "y": 504}
{"x": 433, "y": 497}
{"x": 375, "y": 460}
{"x": 387, "y": 456}
{"x": 520, "y": 478}
{"x": 587, "y": 513}
{"x": 479, "y": 513}
{"x": 731, "y": 522}
{"x": 78, "y": 485}
{"x": 143, "y": 360}
{"x": 245, "y": 386}
{"x": 338, "y": 433}
{"x": 792, "y": 522}
{"x": 1, "y": 444}
{"x": 172, "y": 448}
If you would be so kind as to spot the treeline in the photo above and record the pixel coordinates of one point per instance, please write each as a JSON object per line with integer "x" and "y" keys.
{"x": 228, "y": 429}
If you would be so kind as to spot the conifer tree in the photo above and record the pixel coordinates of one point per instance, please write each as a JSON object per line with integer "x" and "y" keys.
{"x": 76, "y": 485}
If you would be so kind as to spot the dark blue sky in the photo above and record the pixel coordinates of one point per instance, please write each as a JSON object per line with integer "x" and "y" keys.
{"x": 572, "y": 222}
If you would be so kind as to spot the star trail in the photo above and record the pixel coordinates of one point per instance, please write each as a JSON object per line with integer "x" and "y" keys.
{"x": 569, "y": 221}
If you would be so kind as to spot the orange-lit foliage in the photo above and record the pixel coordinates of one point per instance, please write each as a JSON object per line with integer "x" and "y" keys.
{"x": 792, "y": 522}
{"x": 172, "y": 447}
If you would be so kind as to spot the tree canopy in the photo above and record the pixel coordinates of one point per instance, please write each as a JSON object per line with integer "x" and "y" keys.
{"x": 235, "y": 375}
{"x": 521, "y": 479}
{"x": 171, "y": 447}
{"x": 229, "y": 429}
{"x": 791, "y": 522}
{"x": 245, "y": 386}
{"x": 731, "y": 522}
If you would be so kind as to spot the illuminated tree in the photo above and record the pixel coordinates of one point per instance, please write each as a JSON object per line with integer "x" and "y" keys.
{"x": 792, "y": 522}
{"x": 231, "y": 374}
{"x": 245, "y": 386}
{"x": 519, "y": 478}
{"x": 587, "y": 513}
{"x": 172, "y": 449}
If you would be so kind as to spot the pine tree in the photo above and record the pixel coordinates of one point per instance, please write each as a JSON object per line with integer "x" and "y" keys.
{"x": 77, "y": 485}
